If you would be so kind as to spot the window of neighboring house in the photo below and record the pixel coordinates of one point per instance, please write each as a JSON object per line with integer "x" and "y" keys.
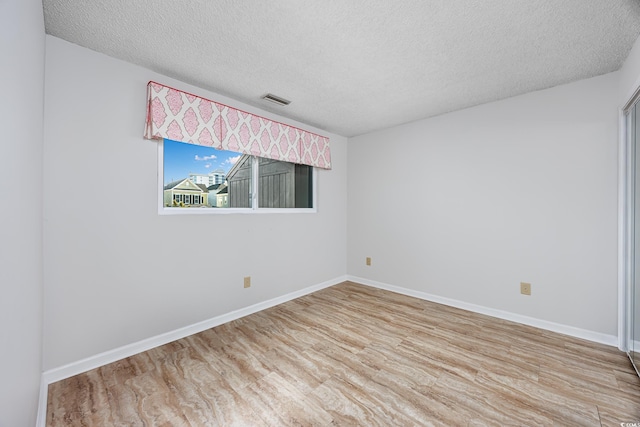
{"x": 243, "y": 183}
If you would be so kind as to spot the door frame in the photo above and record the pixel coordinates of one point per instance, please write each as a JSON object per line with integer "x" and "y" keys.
{"x": 625, "y": 225}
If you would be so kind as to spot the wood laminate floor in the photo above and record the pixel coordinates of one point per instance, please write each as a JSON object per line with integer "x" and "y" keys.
{"x": 355, "y": 355}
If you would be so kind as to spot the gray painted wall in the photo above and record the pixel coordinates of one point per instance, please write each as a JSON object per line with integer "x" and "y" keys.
{"x": 22, "y": 48}
{"x": 478, "y": 200}
{"x": 114, "y": 269}
{"x": 630, "y": 74}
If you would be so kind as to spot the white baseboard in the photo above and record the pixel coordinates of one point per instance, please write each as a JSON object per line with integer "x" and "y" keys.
{"x": 114, "y": 355}
{"x": 41, "y": 419}
{"x": 597, "y": 337}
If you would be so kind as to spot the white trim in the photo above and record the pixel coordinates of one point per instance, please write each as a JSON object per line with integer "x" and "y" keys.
{"x": 623, "y": 227}
{"x": 513, "y": 317}
{"x": 632, "y": 95}
{"x": 160, "y": 175}
{"x": 114, "y": 355}
{"x": 255, "y": 200}
{"x": 75, "y": 368}
{"x": 227, "y": 211}
{"x": 41, "y": 419}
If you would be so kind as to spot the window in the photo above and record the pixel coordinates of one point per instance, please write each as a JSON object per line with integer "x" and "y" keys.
{"x": 283, "y": 184}
{"x": 202, "y": 179}
{"x": 244, "y": 180}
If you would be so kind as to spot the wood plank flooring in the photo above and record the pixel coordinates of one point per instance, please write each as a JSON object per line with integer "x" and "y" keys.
{"x": 355, "y": 355}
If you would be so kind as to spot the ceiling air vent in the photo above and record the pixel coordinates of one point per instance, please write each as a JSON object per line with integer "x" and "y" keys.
{"x": 276, "y": 99}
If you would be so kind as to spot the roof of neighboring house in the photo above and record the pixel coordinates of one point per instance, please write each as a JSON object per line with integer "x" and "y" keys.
{"x": 194, "y": 187}
{"x": 213, "y": 187}
{"x": 224, "y": 190}
{"x": 172, "y": 184}
{"x": 237, "y": 165}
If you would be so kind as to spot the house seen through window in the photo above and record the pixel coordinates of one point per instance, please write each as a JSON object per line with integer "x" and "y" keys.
{"x": 202, "y": 177}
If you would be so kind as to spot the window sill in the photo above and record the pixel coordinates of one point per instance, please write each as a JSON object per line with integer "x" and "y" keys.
{"x": 230, "y": 211}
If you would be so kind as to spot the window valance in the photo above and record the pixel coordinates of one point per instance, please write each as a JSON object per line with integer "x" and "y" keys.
{"x": 184, "y": 117}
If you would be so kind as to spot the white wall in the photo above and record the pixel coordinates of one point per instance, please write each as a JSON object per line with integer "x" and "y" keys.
{"x": 22, "y": 76}
{"x": 114, "y": 269}
{"x": 630, "y": 74}
{"x": 476, "y": 201}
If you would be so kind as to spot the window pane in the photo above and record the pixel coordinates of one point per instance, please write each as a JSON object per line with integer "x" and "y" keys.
{"x": 239, "y": 183}
{"x": 284, "y": 184}
{"x": 196, "y": 177}
{"x": 203, "y": 177}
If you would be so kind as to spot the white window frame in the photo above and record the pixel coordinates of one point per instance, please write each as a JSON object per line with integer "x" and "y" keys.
{"x": 162, "y": 210}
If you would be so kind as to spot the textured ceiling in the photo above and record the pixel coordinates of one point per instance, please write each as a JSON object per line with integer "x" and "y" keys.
{"x": 353, "y": 66}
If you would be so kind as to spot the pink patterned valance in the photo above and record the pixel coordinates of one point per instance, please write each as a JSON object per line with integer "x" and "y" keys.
{"x": 184, "y": 117}
{"x": 181, "y": 117}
